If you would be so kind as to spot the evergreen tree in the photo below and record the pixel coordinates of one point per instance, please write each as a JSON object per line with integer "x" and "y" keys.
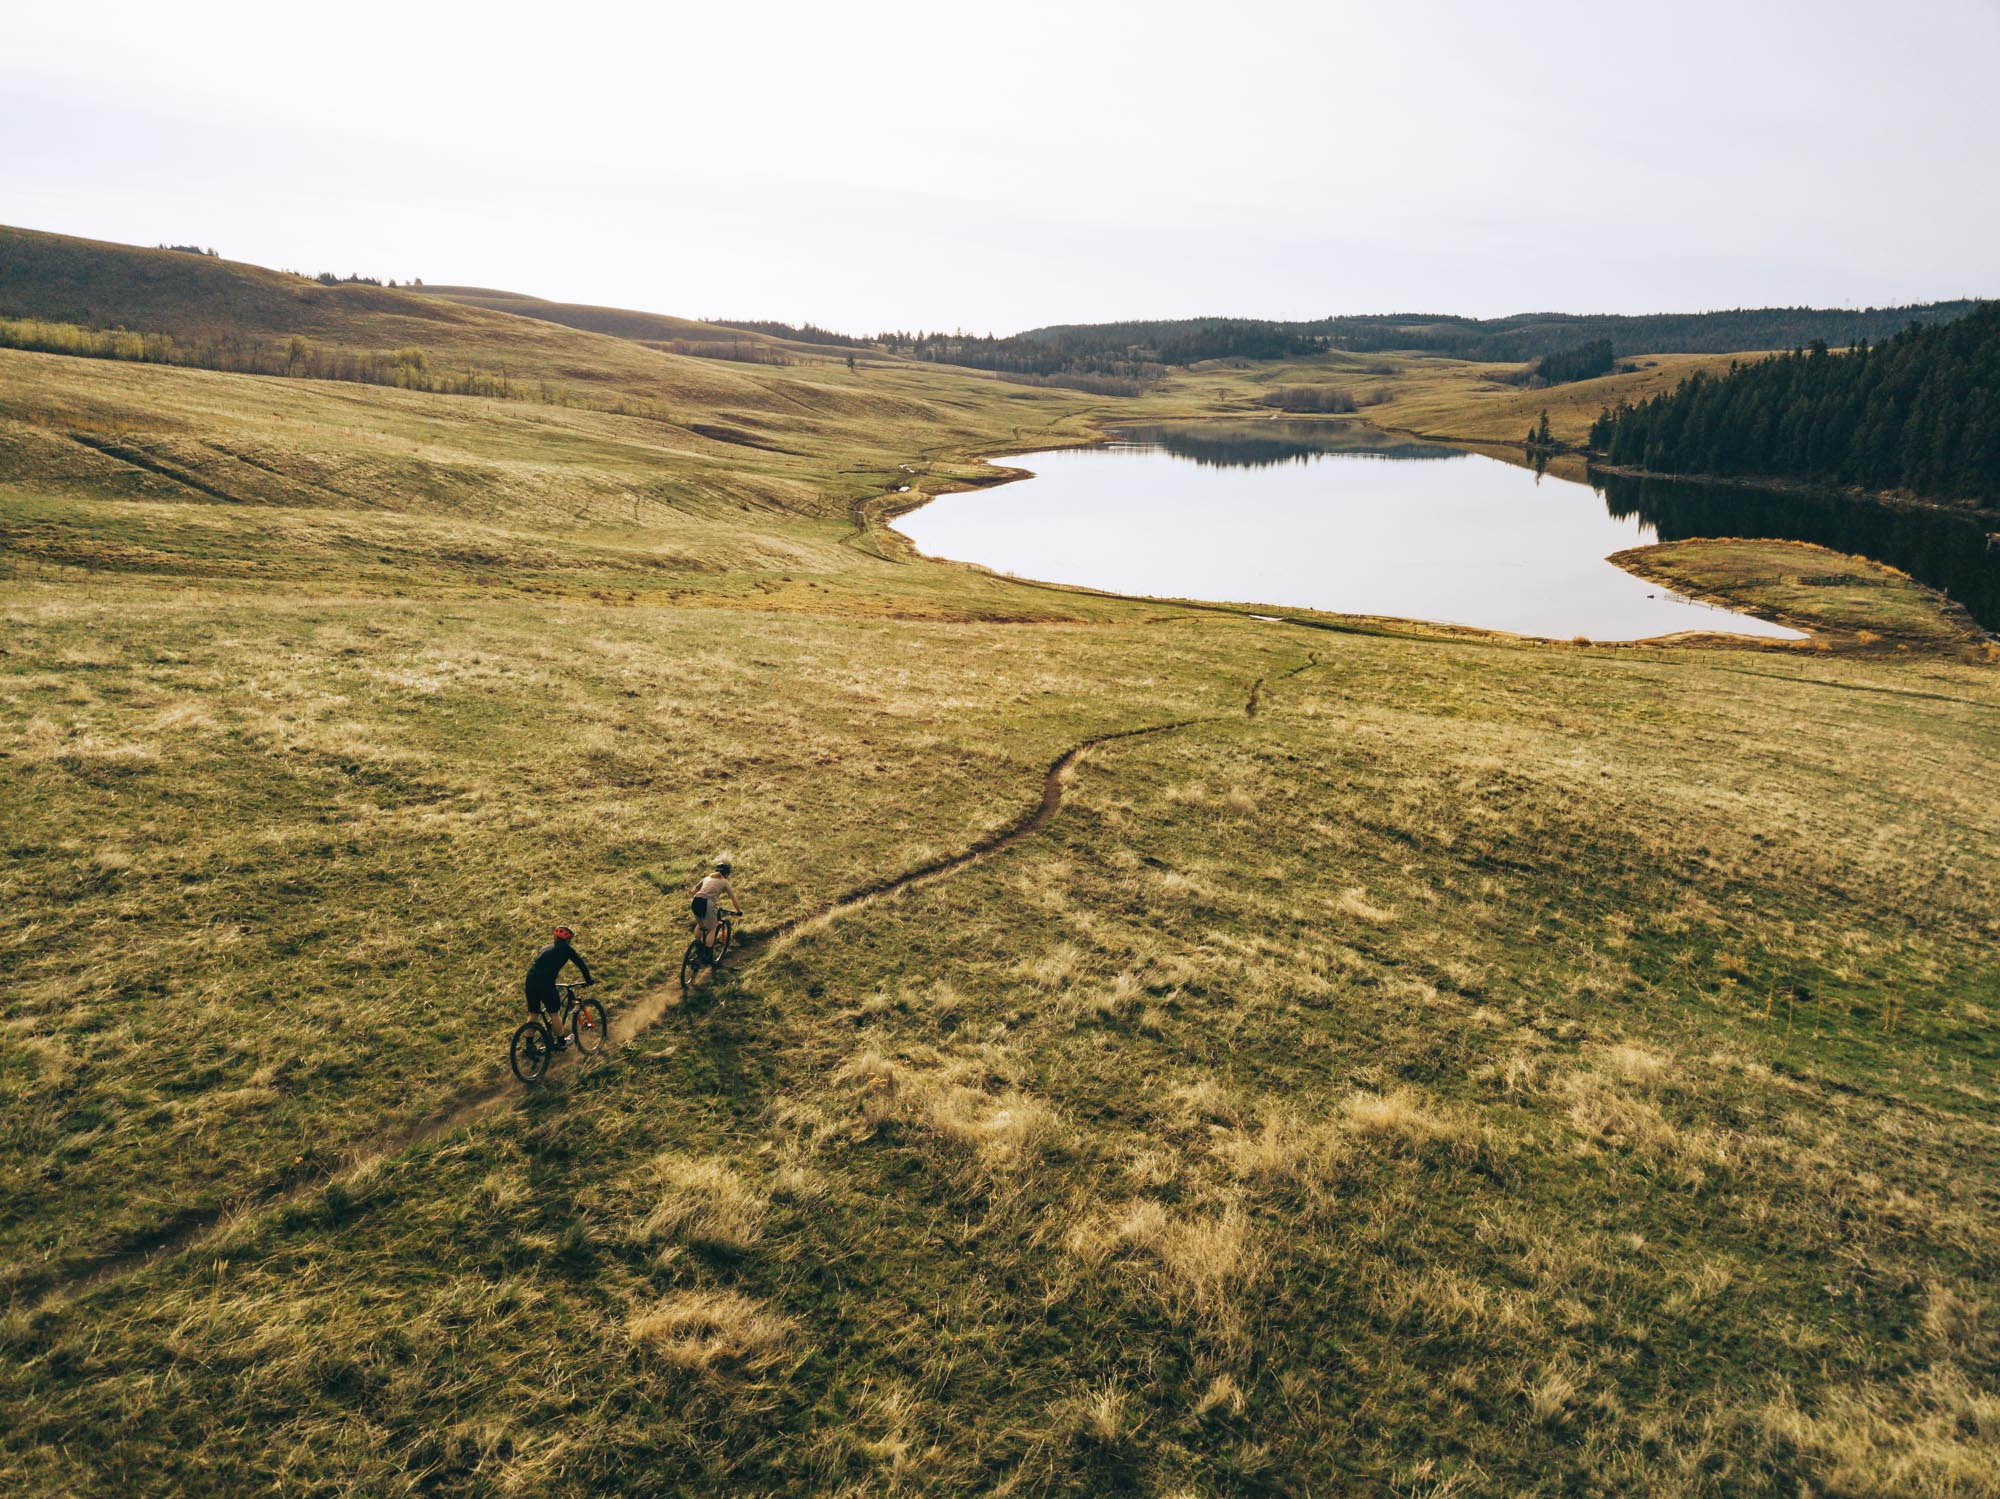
{"x": 1916, "y": 412}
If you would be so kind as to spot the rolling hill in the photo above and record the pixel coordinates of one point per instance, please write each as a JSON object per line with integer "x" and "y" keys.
{"x": 227, "y": 314}
{"x": 1140, "y": 349}
{"x": 617, "y": 322}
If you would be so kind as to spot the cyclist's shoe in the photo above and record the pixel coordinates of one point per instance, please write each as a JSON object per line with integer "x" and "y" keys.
{"x": 562, "y": 1043}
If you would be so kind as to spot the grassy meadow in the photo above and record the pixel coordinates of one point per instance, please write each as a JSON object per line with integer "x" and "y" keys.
{"x": 1442, "y": 1065}
{"x": 1421, "y": 395}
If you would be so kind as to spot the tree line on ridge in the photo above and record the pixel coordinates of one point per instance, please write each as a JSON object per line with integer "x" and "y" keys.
{"x": 1918, "y": 413}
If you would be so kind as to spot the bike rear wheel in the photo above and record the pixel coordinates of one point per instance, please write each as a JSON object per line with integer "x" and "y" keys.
{"x": 530, "y": 1052}
{"x": 692, "y": 963}
{"x": 588, "y": 1027}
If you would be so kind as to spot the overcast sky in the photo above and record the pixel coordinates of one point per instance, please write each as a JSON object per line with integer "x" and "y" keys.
{"x": 997, "y": 166}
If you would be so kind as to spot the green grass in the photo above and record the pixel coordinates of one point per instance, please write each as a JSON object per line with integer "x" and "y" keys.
{"x": 1493, "y": 1067}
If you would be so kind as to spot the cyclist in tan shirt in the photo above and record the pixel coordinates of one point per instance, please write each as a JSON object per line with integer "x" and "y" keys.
{"x": 709, "y": 896}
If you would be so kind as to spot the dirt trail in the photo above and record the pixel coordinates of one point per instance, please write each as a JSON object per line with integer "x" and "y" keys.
{"x": 494, "y": 1090}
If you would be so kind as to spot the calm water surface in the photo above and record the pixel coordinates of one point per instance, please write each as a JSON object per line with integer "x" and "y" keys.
{"x": 1356, "y": 524}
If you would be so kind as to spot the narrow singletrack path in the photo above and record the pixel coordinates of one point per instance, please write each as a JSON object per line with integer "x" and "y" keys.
{"x": 482, "y": 1097}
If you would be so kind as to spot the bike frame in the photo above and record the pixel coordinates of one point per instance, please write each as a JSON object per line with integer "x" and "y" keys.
{"x": 554, "y": 1020}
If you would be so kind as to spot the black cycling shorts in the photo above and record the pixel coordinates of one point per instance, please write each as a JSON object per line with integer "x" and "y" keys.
{"x": 701, "y": 903}
{"x": 543, "y": 1000}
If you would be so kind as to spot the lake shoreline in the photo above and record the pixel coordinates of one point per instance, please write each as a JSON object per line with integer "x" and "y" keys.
{"x": 1278, "y": 455}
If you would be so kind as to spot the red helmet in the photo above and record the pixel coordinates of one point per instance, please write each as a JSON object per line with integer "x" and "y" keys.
{"x": 563, "y": 934}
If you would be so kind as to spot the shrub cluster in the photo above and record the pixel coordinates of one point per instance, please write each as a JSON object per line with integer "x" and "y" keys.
{"x": 1323, "y": 399}
{"x": 406, "y": 369}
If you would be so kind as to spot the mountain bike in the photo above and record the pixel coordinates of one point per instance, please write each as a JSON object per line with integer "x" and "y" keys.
{"x": 535, "y": 1042}
{"x": 701, "y": 955}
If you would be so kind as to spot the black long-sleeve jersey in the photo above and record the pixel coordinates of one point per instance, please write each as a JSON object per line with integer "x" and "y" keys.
{"x": 548, "y": 964}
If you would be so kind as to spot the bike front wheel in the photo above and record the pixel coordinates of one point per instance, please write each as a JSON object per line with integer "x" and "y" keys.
{"x": 529, "y": 1055}
{"x": 588, "y": 1027}
{"x": 722, "y": 934}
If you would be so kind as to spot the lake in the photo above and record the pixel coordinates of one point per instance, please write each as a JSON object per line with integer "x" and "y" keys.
{"x": 1343, "y": 519}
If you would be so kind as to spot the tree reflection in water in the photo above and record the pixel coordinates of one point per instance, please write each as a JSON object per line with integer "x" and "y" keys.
{"x": 1954, "y": 551}
{"x": 1266, "y": 444}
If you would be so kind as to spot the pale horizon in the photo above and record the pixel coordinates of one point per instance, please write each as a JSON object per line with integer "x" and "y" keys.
{"x": 895, "y": 168}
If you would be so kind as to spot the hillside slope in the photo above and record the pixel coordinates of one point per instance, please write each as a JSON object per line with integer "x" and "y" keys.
{"x": 227, "y": 311}
{"x": 1140, "y": 349}
{"x": 618, "y": 322}
{"x": 101, "y": 285}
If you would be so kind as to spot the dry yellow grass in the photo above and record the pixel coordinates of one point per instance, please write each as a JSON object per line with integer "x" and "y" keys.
{"x": 718, "y": 1333}
{"x": 706, "y": 1204}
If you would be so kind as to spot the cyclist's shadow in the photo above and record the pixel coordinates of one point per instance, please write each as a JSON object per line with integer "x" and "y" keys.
{"x": 724, "y": 1018}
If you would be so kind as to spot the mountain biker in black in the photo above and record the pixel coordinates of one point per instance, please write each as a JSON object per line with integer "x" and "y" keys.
{"x": 541, "y": 984}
